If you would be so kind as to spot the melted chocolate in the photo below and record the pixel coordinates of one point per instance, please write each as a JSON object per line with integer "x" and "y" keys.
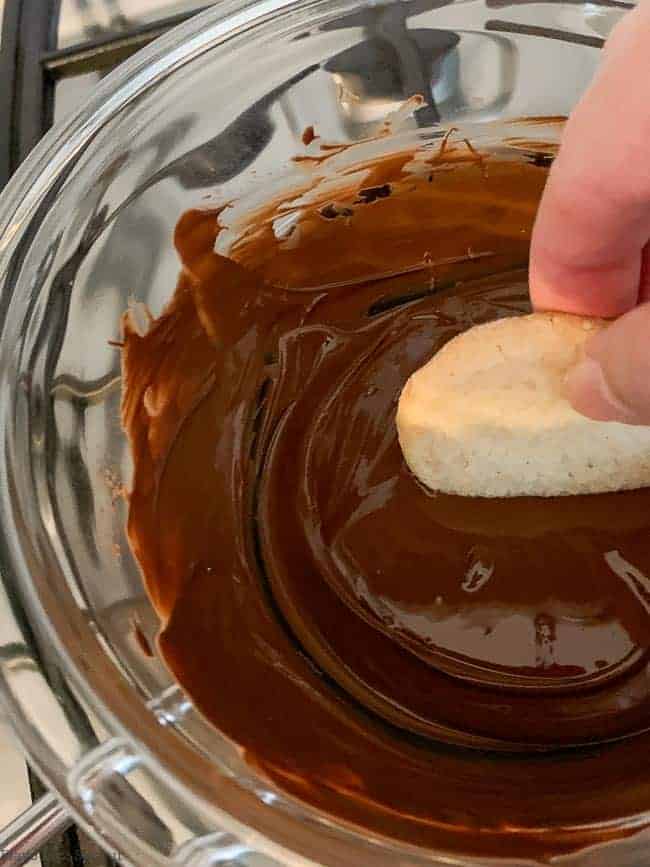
{"x": 407, "y": 662}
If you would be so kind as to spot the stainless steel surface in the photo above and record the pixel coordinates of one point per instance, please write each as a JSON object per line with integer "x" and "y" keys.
{"x": 84, "y": 19}
{"x": 102, "y": 33}
{"x": 25, "y": 836}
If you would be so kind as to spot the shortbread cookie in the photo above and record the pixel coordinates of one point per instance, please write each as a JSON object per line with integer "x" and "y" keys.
{"x": 488, "y": 416}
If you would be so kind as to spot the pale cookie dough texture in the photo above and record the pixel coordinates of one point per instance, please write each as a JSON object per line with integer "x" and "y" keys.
{"x": 487, "y": 416}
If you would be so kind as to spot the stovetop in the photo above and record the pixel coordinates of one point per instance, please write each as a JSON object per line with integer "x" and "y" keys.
{"x": 52, "y": 53}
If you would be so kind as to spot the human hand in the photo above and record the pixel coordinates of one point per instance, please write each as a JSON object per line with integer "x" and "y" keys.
{"x": 590, "y": 250}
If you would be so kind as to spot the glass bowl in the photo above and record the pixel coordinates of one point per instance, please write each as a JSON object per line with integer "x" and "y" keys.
{"x": 214, "y": 107}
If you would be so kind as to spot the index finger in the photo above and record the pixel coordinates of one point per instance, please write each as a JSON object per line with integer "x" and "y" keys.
{"x": 594, "y": 218}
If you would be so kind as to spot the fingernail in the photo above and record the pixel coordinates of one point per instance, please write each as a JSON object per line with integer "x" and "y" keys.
{"x": 589, "y": 393}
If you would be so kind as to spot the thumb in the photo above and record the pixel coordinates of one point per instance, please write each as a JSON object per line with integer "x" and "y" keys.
{"x": 612, "y": 382}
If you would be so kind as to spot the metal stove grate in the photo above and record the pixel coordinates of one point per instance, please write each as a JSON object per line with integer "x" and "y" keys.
{"x": 31, "y": 67}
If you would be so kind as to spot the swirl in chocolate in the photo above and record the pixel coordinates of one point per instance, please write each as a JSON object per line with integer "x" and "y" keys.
{"x": 430, "y": 668}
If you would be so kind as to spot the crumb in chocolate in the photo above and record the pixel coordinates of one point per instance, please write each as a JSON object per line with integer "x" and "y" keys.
{"x": 332, "y": 211}
{"x": 544, "y": 161}
{"x": 308, "y": 135}
{"x": 371, "y": 194}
